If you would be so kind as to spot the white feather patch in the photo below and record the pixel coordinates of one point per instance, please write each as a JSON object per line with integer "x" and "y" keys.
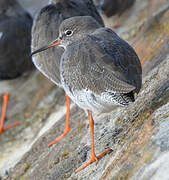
{"x": 1, "y": 34}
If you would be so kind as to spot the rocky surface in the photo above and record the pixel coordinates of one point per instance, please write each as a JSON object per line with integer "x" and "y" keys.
{"x": 138, "y": 134}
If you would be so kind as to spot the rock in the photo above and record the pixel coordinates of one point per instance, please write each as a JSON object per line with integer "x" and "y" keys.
{"x": 138, "y": 134}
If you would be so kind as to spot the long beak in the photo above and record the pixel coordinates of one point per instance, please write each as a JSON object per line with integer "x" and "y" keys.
{"x": 56, "y": 42}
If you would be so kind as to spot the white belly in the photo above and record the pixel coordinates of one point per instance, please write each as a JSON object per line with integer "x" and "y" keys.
{"x": 87, "y": 100}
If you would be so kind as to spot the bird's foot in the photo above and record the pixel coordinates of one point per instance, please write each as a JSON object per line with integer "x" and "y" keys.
{"x": 2, "y": 129}
{"x": 94, "y": 158}
{"x": 66, "y": 131}
{"x": 3, "y": 115}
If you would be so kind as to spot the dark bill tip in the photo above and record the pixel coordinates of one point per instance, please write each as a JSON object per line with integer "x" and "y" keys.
{"x": 57, "y": 42}
{"x": 39, "y": 50}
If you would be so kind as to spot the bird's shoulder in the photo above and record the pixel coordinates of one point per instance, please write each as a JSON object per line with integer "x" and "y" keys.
{"x": 14, "y": 32}
{"x": 16, "y": 27}
{"x": 117, "y": 55}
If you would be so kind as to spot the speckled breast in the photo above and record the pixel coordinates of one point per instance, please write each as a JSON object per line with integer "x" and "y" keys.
{"x": 83, "y": 97}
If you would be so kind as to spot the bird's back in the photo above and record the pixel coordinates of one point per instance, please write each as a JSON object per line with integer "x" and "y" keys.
{"x": 113, "y": 7}
{"x": 102, "y": 70}
{"x": 121, "y": 56}
{"x": 15, "y": 44}
{"x": 103, "y": 56}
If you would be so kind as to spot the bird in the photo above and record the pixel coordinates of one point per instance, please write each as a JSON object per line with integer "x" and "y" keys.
{"x": 113, "y": 7}
{"x": 46, "y": 28}
{"x": 15, "y": 48}
{"x": 98, "y": 70}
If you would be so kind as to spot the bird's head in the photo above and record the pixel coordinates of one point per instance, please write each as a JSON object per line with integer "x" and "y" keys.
{"x": 72, "y": 29}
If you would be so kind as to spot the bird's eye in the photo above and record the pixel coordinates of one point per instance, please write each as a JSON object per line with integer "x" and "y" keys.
{"x": 68, "y": 32}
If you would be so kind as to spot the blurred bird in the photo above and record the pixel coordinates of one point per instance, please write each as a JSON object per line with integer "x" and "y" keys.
{"x": 15, "y": 47}
{"x": 46, "y": 28}
{"x": 98, "y": 70}
{"x": 113, "y": 7}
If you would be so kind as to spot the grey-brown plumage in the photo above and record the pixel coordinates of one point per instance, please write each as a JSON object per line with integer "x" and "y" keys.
{"x": 46, "y": 28}
{"x": 15, "y": 40}
{"x": 113, "y": 7}
{"x": 98, "y": 68}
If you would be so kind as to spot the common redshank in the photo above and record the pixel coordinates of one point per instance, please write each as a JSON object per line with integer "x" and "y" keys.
{"x": 15, "y": 47}
{"x": 99, "y": 71}
{"x": 113, "y": 7}
{"x": 46, "y": 28}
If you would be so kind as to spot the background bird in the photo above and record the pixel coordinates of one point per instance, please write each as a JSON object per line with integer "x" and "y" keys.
{"x": 99, "y": 71}
{"x": 46, "y": 28}
{"x": 15, "y": 41}
{"x": 113, "y": 7}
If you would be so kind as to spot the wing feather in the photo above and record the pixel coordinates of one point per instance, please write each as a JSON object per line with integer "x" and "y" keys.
{"x": 103, "y": 62}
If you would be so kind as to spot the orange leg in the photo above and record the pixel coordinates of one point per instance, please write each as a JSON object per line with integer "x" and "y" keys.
{"x": 93, "y": 155}
{"x": 4, "y": 109}
{"x": 67, "y": 127}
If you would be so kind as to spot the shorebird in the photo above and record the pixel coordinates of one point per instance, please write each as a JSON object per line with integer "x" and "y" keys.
{"x": 15, "y": 47}
{"x": 46, "y": 28}
{"x": 98, "y": 70}
{"x": 113, "y": 7}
